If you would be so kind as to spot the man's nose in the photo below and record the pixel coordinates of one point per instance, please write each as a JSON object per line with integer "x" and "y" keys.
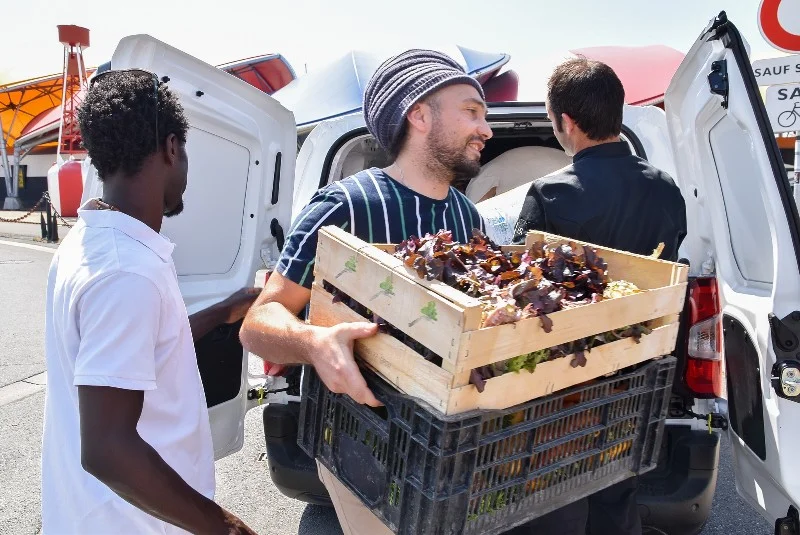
{"x": 484, "y": 130}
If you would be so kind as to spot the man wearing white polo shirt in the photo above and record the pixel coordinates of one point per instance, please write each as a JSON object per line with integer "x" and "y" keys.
{"x": 127, "y": 444}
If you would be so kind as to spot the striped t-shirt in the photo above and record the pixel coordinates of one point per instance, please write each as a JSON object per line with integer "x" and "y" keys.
{"x": 377, "y": 209}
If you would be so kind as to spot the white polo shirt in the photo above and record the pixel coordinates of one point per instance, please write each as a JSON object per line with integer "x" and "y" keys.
{"x": 115, "y": 317}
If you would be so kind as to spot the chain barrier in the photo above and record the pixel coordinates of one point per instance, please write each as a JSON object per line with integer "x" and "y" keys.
{"x": 63, "y": 221}
{"x": 35, "y": 207}
{"x": 45, "y": 197}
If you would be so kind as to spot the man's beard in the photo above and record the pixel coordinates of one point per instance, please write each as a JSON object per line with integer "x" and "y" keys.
{"x": 175, "y": 211}
{"x": 452, "y": 159}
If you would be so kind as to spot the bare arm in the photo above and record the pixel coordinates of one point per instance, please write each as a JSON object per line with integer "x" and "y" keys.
{"x": 272, "y": 331}
{"x": 230, "y": 310}
{"x": 113, "y": 452}
{"x": 204, "y": 321}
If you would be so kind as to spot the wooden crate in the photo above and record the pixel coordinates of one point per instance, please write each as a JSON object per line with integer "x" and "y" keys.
{"x": 448, "y": 322}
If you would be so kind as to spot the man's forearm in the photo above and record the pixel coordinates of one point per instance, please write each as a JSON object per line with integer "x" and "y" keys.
{"x": 138, "y": 474}
{"x": 275, "y": 334}
{"x": 204, "y": 321}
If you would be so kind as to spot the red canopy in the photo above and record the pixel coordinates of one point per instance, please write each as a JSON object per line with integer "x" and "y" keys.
{"x": 268, "y": 73}
{"x": 645, "y": 71}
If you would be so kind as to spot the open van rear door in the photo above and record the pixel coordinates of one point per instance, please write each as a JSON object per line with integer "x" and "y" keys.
{"x": 740, "y": 206}
{"x": 242, "y": 146}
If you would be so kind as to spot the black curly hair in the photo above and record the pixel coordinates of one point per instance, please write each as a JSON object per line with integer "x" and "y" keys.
{"x": 117, "y": 121}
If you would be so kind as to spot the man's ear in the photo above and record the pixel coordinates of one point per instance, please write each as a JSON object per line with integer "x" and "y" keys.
{"x": 420, "y": 117}
{"x": 171, "y": 150}
{"x": 568, "y": 125}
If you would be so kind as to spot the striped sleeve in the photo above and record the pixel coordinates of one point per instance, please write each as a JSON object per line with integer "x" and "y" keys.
{"x": 329, "y": 206}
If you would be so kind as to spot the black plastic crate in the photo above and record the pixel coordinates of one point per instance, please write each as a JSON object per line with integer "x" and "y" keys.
{"x": 486, "y": 471}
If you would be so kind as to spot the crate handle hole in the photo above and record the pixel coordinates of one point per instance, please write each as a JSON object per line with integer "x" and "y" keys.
{"x": 381, "y": 412}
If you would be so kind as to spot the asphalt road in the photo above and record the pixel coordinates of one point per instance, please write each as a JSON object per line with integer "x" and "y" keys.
{"x": 243, "y": 484}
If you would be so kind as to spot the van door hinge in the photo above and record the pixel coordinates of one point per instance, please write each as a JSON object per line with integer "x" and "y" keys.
{"x": 786, "y": 345}
{"x": 714, "y": 420}
{"x": 790, "y": 524}
{"x": 273, "y": 390}
{"x": 718, "y": 80}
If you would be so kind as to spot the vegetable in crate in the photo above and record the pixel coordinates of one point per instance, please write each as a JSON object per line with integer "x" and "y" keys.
{"x": 515, "y": 286}
{"x": 510, "y": 286}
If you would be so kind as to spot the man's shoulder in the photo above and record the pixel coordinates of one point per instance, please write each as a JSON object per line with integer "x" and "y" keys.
{"x": 657, "y": 175}
{"x": 365, "y": 180}
{"x": 564, "y": 180}
{"x": 105, "y": 253}
{"x": 345, "y": 188}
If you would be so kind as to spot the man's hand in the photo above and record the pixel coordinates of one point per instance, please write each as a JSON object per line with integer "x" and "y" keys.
{"x": 237, "y": 305}
{"x": 272, "y": 331}
{"x": 230, "y": 310}
{"x": 334, "y": 362}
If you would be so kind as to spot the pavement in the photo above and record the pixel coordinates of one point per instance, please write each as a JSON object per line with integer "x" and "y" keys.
{"x": 243, "y": 482}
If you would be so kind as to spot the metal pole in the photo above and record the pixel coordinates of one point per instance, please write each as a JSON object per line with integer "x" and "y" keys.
{"x": 796, "y": 181}
{"x": 15, "y": 179}
{"x": 11, "y": 202}
{"x": 49, "y": 222}
{"x": 63, "y": 106}
{"x": 55, "y": 227}
{"x": 797, "y": 157}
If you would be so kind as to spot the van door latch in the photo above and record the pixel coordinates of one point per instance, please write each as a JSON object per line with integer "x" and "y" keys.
{"x": 785, "y": 375}
{"x": 786, "y": 344}
{"x": 790, "y": 524}
{"x": 783, "y": 336}
{"x": 718, "y": 80}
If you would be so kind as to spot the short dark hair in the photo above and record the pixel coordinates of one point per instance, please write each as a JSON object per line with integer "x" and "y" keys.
{"x": 399, "y": 142}
{"x": 118, "y": 121}
{"x": 591, "y": 93}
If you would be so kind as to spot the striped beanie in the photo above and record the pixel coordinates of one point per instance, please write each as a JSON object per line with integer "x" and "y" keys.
{"x": 401, "y": 81}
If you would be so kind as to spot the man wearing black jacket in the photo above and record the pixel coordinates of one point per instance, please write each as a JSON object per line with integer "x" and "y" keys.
{"x": 607, "y": 197}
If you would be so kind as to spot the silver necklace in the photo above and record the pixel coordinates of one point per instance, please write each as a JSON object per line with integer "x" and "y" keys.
{"x": 402, "y": 176}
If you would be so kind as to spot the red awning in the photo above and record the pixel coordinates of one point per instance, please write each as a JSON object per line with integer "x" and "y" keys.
{"x": 267, "y": 73}
{"x": 22, "y": 102}
{"x": 645, "y": 71}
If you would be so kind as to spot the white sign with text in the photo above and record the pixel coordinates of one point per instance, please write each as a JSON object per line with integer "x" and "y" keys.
{"x": 783, "y": 107}
{"x": 784, "y": 70}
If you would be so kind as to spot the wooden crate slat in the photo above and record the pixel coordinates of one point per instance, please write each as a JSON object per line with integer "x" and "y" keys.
{"x": 512, "y": 388}
{"x": 392, "y": 359}
{"x": 424, "y": 315}
{"x": 642, "y": 271}
{"x": 494, "y": 344}
{"x": 372, "y": 251}
{"x": 471, "y": 306}
{"x": 382, "y": 255}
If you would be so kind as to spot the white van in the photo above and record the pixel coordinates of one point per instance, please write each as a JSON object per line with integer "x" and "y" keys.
{"x": 245, "y": 176}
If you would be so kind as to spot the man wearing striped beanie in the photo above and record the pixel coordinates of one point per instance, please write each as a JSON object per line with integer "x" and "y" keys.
{"x": 430, "y": 118}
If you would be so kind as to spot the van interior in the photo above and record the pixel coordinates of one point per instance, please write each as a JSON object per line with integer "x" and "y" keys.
{"x": 516, "y": 154}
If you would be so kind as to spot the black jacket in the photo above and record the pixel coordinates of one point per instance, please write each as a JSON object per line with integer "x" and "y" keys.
{"x": 608, "y": 197}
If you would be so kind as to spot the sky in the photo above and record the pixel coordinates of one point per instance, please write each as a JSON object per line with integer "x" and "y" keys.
{"x": 310, "y": 33}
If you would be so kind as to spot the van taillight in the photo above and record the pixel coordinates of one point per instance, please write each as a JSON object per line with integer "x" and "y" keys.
{"x": 704, "y": 341}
